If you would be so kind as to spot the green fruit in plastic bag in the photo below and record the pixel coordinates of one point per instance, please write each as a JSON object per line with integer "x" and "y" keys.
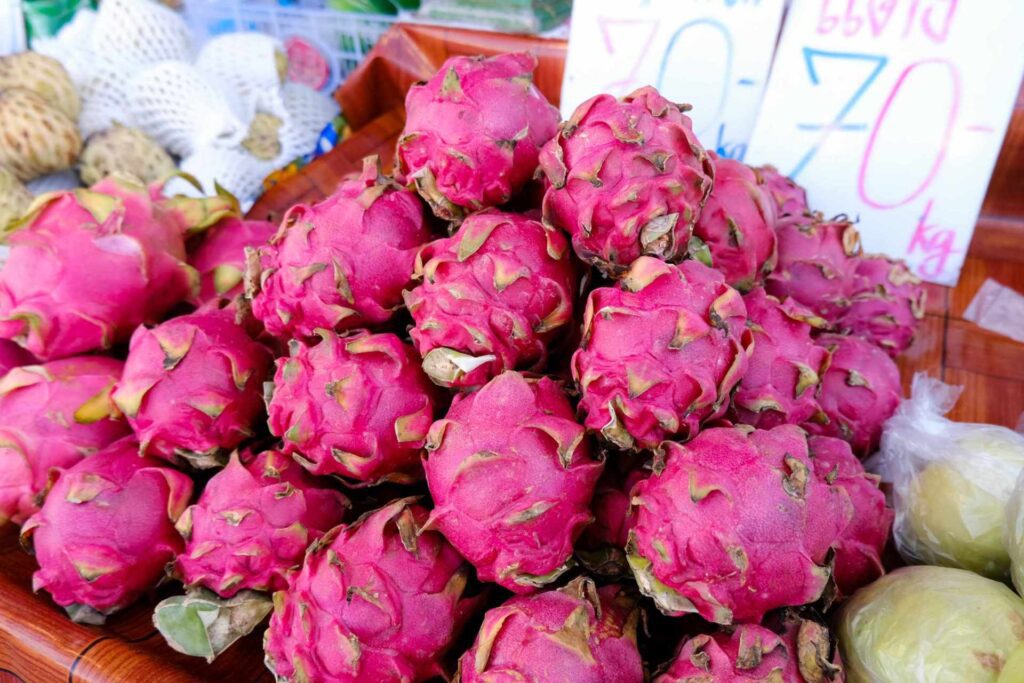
{"x": 1013, "y": 671}
{"x": 955, "y": 508}
{"x": 931, "y": 625}
{"x": 1014, "y": 536}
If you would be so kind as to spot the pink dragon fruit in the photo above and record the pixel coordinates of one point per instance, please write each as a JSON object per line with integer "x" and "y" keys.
{"x": 661, "y": 352}
{"x": 357, "y": 406}
{"x": 611, "y": 506}
{"x": 860, "y": 389}
{"x": 53, "y": 415}
{"x": 246, "y": 536}
{"x": 785, "y": 365}
{"x": 887, "y": 304}
{"x": 13, "y": 356}
{"x": 106, "y": 531}
{"x": 341, "y": 263}
{"x": 801, "y": 654}
{"x": 626, "y": 178}
{"x": 492, "y": 298}
{"x": 734, "y": 525}
{"x": 601, "y": 547}
{"x": 253, "y": 523}
{"x": 192, "y": 387}
{"x": 511, "y": 476}
{"x": 790, "y": 199}
{"x": 858, "y": 559}
{"x": 220, "y": 257}
{"x": 473, "y": 132}
{"x": 578, "y": 633}
{"x": 89, "y": 266}
{"x": 736, "y": 231}
{"x": 815, "y": 265}
{"x": 378, "y": 600}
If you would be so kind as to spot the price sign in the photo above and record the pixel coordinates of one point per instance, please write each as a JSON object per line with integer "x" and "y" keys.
{"x": 712, "y": 54}
{"x": 894, "y": 111}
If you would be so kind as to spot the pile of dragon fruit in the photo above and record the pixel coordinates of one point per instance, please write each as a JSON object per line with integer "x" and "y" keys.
{"x": 558, "y": 401}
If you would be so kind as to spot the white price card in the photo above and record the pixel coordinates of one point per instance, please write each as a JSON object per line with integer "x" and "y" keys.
{"x": 894, "y": 111}
{"x": 712, "y": 54}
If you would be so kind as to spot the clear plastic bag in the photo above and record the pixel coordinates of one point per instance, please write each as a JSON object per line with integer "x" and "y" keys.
{"x": 951, "y": 482}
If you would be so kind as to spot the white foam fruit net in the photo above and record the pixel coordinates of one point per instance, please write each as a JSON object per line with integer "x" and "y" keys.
{"x": 134, "y": 63}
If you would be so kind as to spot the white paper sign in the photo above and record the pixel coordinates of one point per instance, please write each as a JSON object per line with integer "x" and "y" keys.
{"x": 895, "y": 111}
{"x": 712, "y": 54}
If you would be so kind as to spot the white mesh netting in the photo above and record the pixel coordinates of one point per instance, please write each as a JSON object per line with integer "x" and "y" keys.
{"x": 181, "y": 109}
{"x": 132, "y": 61}
{"x": 245, "y": 64}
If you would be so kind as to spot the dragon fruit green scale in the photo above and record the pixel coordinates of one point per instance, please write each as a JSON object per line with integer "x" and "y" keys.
{"x": 661, "y": 352}
{"x": 511, "y": 476}
{"x": 89, "y": 266}
{"x": 358, "y": 407}
{"x": 106, "y": 531}
{"x": 473, "y": 132}
{"x": 341, "y": 263}
{"x": 53, "y": 415}
{"x": 192, "y": 387}
{"x": 253, "y": 523}
{"x": 492, "y": 297}
{"x": 734, "y": 525}
{"x": 626, "y": 178}
{"x": 378, "y": 600}
{"x": 578, "y": 633}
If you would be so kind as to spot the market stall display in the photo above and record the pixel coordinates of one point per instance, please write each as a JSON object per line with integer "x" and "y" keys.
{"x": 574, "y": 313}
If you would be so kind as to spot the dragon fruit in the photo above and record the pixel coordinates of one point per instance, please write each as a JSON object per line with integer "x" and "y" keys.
{"x": 661, "y": 352}
{"x": 253, "y": 523}
{"x": 601, "y": 546}
{"x": 578, "y": 633}
{"x": 247, "y": 533}
{"x": 492, "y": 298}
{"x": 191, "y": 387}
{"x": 802, "y": 653}
{"x": 357, "y": 406}
{"x": 736, "y": 230}
{"x": 734, "y": 525}
{"x": 89, "y": 266}
{"x": 220, "y": 258}
{"x": 106, "y": 531}
{"x": 53, "y": 415}
{"x": 341, "y": 263}
{"x": 860, "y": 389}
{"x": 511, "y": 476}
{"x": 473, "y": 132}
{"x": 858, "y": 559}
{"x": 785, "y": 365}
{"x": 815, "y": 265}
{"x": 378, "y": 600}
{"x": 13, "y": 356}
{"x": 887, "y": 304}
{"x": 626, "y": 178}
{"x": 790, "y": 199}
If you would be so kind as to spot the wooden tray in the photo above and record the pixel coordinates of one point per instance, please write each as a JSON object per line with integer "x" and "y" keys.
{"x": 38, "y": 644}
